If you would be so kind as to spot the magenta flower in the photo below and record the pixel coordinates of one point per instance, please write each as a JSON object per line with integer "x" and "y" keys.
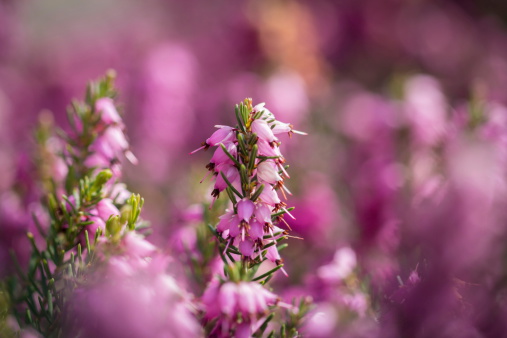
{"x": 225, "y": 300}
{"x": 268, "y": 173}
{"x": 263, "y": 131}
{"x": 222, "y": 135}
{"x": 105, "y": 208}
{"x": 245, "y": 209}
{"x": 108, "y": 112}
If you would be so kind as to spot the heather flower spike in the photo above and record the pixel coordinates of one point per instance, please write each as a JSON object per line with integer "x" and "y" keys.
{"x": 93, "y": 224}
{"x": 249, "y": 166}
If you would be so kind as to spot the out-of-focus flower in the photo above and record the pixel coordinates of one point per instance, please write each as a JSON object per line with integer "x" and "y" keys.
{"x": 108, "y": 113}
{"x": 230, "y": 301}
{"x": 341, "y": 267}
{"x": 141, "y": 301}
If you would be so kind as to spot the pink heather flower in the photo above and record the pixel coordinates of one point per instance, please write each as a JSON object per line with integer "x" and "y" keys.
{"x": 230, "y": 171}
{"x": 265, "y": 149}
{"x": 276, "y": 127}
{"x": 245, "y": 209}
{"x": 111, "y": 144}
{"x": 222, "y": 135}
{"x": 263, "y": 131}
{"x": 119, "y": 193}
{"x": 226, "y": 299}
{"x": 105, "y": 208}
{"x": 256, "y": 229}
{"x": 280, "y": 127}
{"x": 98, "y": 222}
{"x": 263, "y": 213}
{"x": 269, "y": 196}
{"x": 232, "y": 175}
{"x": 357, "y": 302}
{"x": 59, "y": 169}
{"x": 97, "y": 160}
{"x": 109, "y": 114}
{"x": 344, "y": 262}
{"x": 272, "y": 253}
{"x": 267, "y": 172}
{"x": 219, "y": 157}
{"x": 246, "y": 247}
{"x": 414, "y": 278}
{"x": 235, "y": 227}
{"x": 322, "y": 321}
{"x": 137, "y": 246}
{"x": 426, "y": 108}
{"x": 141, "y": 301}
{"x": 225, "y": 221}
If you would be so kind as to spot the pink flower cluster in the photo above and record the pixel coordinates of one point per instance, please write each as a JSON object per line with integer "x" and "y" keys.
{"x": 248, "y": 163}
{"x": 229, "y": 300}
{"x": 134, "y": 288}
{"x": 111, "y": 144}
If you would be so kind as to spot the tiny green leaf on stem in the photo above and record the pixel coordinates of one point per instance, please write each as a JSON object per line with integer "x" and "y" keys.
{"x": 231, "y": 195}
{"x": 46, "y": 268}
{"x": 28, "y": 316}
{"x": 49, "y": 298}
{"x": 282, "y": 246}
{"x": 257, "y": 193}
{"x": 282, "y": 212}
{"x": 32, "y": 242}
{"x": 274, "y": 235}
{"x": 238, "y": 118}
{"x": 241, "y": 143}
{"x": 230, "y": 185}
{"x": 274, "y": 242}
{"x": 230, "y": 156}
{"x": 38, "y": 225}
{"x": 264, "y": 325}
{"x": 212, "y": 229}
{"x": 245, "y": 182}
{"x": 283, "y": 333}
{"x": 269, "y": 273}
{"x": 79, "y": 252}
{"x": 87, "y": 239}
{"x": 259, "y": 114}
{"x": 253, "y": 156}
{"x": 253, "y": 139}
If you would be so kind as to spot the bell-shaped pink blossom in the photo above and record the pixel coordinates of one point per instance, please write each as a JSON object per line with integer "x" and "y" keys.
{"x": 343, "y": 264}
{"x": 269, "y": 196}
{"x": 220, "y": 157}
{"x": 263, "y": 213}
{"x": 230, "y": 172}
{"x": 106, "y": 208}
{"x": 248, "y": 298}
{"x": 234, "y": 227}
{"x": 225, "y": 221}
{"x": 267, "y": 172}
{"x": 265, "y": 149}
{"x": 246, "y": 247}
{"x": 112, "y": 144}
{"x": 263, "y": 131}
{"x": 222, "y": 135}
{"x": 227, "y": 298}
{"x": 136, "y": 245}
{"x": 256, "y": 229}
{"x": 108, "y": 112}
{"x": 245, "y": 209}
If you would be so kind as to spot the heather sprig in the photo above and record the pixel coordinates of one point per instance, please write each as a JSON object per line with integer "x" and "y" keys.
{"x": 248, "y": 165}
{"x": 85, "y": 207}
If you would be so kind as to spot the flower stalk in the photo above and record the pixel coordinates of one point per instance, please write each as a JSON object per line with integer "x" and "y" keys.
{"x": 249, "y": 166}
